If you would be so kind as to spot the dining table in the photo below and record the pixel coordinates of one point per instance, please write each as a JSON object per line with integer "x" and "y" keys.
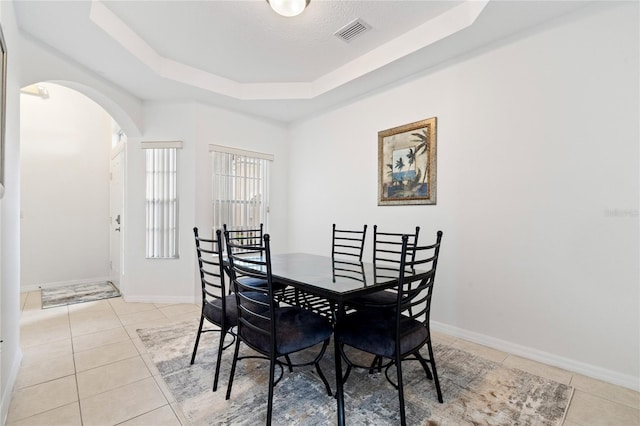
{"x": 328, "y": 278}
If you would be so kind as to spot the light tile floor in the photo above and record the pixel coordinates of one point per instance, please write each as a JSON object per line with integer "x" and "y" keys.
{"x": 85, "y": 365}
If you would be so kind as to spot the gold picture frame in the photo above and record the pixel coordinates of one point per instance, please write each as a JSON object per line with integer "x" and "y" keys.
{"x": 3, "y": 109}
{"x": 407, "y": 164}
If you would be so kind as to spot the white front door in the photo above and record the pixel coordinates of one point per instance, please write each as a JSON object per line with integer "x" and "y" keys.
{"x": 116, "y": 221}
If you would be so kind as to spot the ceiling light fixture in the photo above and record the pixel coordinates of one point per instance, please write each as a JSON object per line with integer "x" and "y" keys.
{"x": 288, "y": 7}
{"x": 36, "y": 90}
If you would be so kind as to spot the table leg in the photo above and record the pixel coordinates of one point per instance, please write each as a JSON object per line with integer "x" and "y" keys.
{"x": 338, "y": 365}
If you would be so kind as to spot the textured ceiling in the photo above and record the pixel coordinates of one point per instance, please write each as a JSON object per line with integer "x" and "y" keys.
{"x": 241, "y": 55}
{"x": 248, "y": 43}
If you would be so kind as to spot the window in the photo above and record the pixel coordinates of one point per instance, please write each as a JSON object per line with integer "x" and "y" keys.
{"x": 161, "y": 199}
{"x": 240, "y": 187}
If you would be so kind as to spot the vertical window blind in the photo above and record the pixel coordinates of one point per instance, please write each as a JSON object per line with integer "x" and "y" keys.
{"x": 240, "y": 187}
{"x": 161, "y": 199}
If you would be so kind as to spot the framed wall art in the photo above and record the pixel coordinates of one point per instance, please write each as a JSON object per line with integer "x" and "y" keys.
{"x": 407, "y": 164}
{"x": 3, "y": 107}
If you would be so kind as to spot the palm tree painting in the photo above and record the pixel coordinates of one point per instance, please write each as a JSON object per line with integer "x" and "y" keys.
{"x": 407, "y": 166}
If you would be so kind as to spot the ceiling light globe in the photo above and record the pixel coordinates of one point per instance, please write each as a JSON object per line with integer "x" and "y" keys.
{"x": 288, "y": 7}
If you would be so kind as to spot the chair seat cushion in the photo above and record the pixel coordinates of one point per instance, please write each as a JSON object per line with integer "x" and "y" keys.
{"x": 260, "y": 282}
{"x": 253, "y": 282}
{"x": 213, "y": 311}
{"x": 382, "y": 298}
{"x": 296, "y": 329}
{"x": 374, "y": 332}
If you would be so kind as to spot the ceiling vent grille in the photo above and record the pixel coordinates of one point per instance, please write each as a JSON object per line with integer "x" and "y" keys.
{"x": 352, "y": 30}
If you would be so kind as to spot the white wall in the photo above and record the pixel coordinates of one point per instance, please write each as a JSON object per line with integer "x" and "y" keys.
{"x": 158, "y": 280}
{"x": 174, "y": 280}
{"x": 10, "y": 219}
{"x": 537, "y": 189}
{"x": 65, "y": 149}
{"x": 41, "y": 63}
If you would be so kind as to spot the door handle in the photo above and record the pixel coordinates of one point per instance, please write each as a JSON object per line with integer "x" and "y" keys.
{"x": 117, "y": 229}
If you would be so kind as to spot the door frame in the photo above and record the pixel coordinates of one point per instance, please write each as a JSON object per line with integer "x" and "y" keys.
{"x": 118, "y": 151}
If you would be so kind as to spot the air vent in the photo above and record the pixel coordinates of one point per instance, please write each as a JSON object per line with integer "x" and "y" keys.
{"x": 352, "y": 30}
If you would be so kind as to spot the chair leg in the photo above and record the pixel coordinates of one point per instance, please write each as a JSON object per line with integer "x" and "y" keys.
{"x": 346, "y": 373}
{"x": 424, "y": 364}
{"x": 219, "y": 359}
{"x": 376, "y": 360}
{"x": 195, "y": 347}
{"x": 403, "y": 419}
{"x": 272, "y": 368}
{"x": 432, "y": 361}
{"x": 347, "y": 361}
{"x": 317, "y": 364}
{"x": 323, "y": 378}
{"x": 289, "y": 363}
{"x": 233, "y": 368}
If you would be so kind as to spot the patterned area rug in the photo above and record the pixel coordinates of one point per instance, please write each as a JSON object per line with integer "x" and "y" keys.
{"x": 77, "y": 293}
{"x": 476, "y": 391}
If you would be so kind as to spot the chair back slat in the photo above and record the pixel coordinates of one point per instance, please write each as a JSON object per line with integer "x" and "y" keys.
{"x": 347, "y": 247}
{"x": 414, "y": 295}
{"x": 209, "y": 254}
{"x": 387, "y": 247}
{"x": 387, "y": 252}
{"x": 348, "y": 243}
{"x": 249, "y": 237}
{"x": 249, "y": 261}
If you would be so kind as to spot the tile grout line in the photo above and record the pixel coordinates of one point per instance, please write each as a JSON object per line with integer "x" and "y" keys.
{"x": 566, "y": 410}
{"x": 140, "y": 355}
{"x": 75, "y": 367}
{"x": 58, "y": 378}
{"x": 129, "y": 340}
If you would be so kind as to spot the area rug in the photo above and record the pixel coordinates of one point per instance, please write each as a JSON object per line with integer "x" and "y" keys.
{"x": 77, "y": 293}
{"x": 476, "y": 391}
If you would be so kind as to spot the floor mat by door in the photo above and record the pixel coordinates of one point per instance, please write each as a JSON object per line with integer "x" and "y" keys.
{"x": 78, "y": 293}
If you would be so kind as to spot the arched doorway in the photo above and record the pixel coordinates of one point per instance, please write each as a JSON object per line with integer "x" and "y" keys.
{"x": 72, "y": 162}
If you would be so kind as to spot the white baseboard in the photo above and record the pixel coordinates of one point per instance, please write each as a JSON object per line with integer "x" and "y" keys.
{"x": 585, "y": 369}
{"x": 11, "y": 382}
{"x": 36, "y": 287}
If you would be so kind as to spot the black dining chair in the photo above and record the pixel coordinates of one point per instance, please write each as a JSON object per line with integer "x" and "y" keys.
{"x": 400, "y": 331}
{"x": 271, "y": 330}
{"x": 387, "y": 251}
{"x": 218, "y": 304}
{"x": 247, "y": 236}
{"x": 348, "y": 243}
{"x": 347, "y": 247}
